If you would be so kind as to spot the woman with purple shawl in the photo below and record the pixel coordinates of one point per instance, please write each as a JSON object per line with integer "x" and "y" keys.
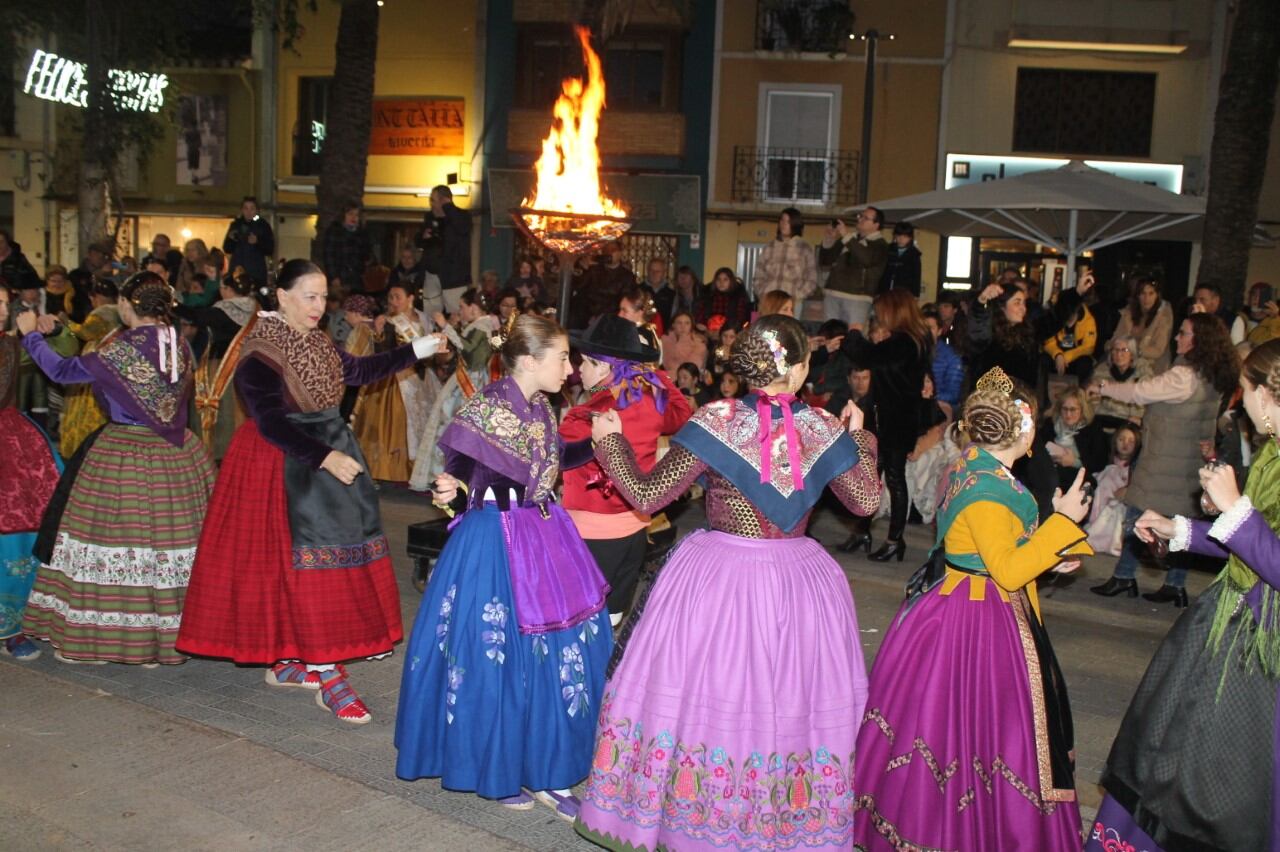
{"x": 1196, "y": 764}
{"x": 730, "y": 721}
{"x": 126, "y": 535}
{"x": 506, "y": 661}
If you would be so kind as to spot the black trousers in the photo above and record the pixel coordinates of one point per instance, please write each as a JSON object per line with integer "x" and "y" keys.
{"x": 620, "y": 561}
{"x": 893, "y": 463}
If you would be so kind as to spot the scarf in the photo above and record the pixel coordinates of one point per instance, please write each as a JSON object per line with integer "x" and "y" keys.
{"x": 240, "y": 309}
{"x": 1262, "y": 647}
{"x": 1121, "y": 375}
{"x": 629, "y": 380}
{"x": 1065, "y": 436}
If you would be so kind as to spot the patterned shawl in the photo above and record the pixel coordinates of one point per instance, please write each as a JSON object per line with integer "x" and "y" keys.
{"x": 726, "y": 435}
{"x": 308, "y": 363}
{"x": 510, "y": 435}
{"x": 128, "y": 368}
{"x": 975, "y": 477}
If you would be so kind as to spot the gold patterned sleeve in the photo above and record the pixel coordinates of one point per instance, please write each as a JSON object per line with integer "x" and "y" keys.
{"x": 858, "y": 488}
{"x": 648, "y": 492}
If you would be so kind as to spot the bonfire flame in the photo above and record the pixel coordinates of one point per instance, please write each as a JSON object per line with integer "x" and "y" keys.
{"x": 568, "y": 171}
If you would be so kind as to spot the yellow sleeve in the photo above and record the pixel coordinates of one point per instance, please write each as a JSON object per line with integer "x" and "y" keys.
{"x": 1051, "y": 347}
{"x": 995, "y": 531}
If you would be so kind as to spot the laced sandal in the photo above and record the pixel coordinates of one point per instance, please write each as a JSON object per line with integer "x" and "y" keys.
{"x": 291, "y": 675}
{"x": 522, "y": 801}
{"x": 566, "y": 807}
{"x": 62, "y": 658}
{"x": 21, "y": 648}
{"x": 337, "y": 696}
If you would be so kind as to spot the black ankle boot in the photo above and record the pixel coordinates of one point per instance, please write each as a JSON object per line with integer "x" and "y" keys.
{"x": 1168, "y": 594}
{"x": 889, "y": 550}
{"x": 857, "y": 541}
{"x": 1115, "y": 586}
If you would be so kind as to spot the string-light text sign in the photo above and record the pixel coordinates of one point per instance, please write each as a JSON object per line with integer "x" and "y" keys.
{"x": 65, "y": 81}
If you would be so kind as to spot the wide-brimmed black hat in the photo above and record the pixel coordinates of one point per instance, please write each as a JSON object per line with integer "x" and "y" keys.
{"x": 615, "y": 337}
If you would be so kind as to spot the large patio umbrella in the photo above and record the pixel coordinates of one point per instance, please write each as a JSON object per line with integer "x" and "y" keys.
{"x": 1074, "y": 208}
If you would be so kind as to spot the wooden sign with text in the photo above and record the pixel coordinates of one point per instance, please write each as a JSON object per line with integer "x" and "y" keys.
{"x": 418, "y": 127}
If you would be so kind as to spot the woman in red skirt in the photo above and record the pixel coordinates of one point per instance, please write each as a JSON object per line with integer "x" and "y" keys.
{"x": 295, "y": 571}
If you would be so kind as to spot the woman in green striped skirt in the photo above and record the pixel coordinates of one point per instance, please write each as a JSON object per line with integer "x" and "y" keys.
{"x": 126, "y": 534}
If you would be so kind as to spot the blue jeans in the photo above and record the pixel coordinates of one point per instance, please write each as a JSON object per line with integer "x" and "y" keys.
{"x": 1131, "y": 550}
{"x": 847, "y": 309}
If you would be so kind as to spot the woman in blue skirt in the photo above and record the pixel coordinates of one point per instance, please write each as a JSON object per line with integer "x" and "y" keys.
{"x": 505, "y": 666}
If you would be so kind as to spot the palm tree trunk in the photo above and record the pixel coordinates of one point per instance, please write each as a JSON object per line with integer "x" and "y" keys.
{"x": 1238, "y": 155}
{"x": 350, "y": 116}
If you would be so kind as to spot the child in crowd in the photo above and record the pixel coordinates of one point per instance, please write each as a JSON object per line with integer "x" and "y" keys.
{"x": 1106, "y": 518}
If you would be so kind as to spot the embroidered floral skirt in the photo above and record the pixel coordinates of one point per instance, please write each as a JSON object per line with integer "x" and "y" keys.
{"x": 1195, "y": 763}
{"x": 114, "y": 587}
{"x": 293, "y": 565}
{"x": 730, "y": 721}
{"x": 954, "y": 749}
{"x": 484, "y": 707}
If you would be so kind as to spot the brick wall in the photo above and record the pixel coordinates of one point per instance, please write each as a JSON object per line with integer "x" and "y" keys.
{"x": 634, "y": 133}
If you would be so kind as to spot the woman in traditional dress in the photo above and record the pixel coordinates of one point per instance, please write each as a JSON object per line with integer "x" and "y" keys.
{"x": 391, "y": 415}
{"x": 730, "y": 721}
{"x": 29, "y": 468}
{"x": 294, "y": 570}
{"x": 503, "y": 674}
{"x": 228, "y": 321}
{"x": 967, "y": 739}
{"x": 472, "y": 373}
{"x": 81, "y": 414}
{"x": 126, "y": 538}
{"x": 618, "y": 375}
{"x": 1196, "y": 764}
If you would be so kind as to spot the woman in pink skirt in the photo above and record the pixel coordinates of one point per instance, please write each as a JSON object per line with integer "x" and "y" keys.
{"x": 731, "y": 719}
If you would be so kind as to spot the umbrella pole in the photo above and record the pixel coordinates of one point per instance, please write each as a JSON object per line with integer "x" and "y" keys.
{"x": 1073, "y": 224}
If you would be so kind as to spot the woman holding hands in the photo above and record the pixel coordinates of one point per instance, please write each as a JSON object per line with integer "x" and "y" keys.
{"x": 1195, "y": 762}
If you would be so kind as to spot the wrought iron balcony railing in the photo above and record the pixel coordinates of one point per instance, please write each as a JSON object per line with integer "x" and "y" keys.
{"x": 795, "y": 176}
{"x": 820, "y": 26}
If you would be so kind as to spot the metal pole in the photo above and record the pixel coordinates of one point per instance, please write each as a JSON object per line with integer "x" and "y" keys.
{"x": 868, "y": 108}
{"x": 566, "y": 283}
{"x": 1072, "y": 224}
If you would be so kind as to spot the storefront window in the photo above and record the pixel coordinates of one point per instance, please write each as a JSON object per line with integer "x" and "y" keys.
{"x": 309, "y": 130}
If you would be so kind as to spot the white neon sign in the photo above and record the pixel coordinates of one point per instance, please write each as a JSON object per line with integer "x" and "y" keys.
{"x": 65, "y": 81}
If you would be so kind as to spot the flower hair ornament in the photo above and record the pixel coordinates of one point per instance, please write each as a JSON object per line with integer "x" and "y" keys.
{"x": 777, "y": 350}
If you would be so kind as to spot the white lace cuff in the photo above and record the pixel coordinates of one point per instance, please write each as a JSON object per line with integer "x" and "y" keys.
{"x": 1181, "y": 534}
{"x": 1231, "y": 520}
{"x": 425, "y": 346}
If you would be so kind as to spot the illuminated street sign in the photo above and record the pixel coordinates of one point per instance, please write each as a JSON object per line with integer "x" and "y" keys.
{"x": 65, "y": 81}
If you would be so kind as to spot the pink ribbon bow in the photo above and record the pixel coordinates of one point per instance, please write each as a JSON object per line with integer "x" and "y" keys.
{"x": 764, "y": 411}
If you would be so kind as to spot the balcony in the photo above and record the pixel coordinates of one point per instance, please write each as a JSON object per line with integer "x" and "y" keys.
{"x": 795, "y": 176}
{"x": 804, "y": 26}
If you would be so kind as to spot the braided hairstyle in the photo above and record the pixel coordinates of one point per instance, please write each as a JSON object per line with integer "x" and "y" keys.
{"x": 991, "y": 417}
{"x": 529, "y": 335}
{"x": 150, "y": 296}
{"x": 1262, "y": 367}
{"x": 755, "y": 361}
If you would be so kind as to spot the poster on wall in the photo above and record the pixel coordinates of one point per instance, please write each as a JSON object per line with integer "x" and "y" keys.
{"x": 202, "y": 140}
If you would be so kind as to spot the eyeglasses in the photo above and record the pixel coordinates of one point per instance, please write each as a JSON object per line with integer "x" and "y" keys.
{"x": 866, "y": 217}
{"x": 1120, "y": 349}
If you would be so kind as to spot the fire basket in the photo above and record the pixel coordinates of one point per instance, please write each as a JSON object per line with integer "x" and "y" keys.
{"x": 569, "y": 235}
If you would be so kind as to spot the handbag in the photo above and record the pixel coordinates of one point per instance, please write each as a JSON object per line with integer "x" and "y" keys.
{"x": 925, "y": 578}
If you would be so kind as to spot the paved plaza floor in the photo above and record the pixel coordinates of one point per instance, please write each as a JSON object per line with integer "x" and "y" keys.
{"x": 205, "y": 755}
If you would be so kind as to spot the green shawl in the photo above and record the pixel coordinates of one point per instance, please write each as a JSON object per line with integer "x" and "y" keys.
{"x": 975, "y": 477}
{"x": 1260, "y": 646}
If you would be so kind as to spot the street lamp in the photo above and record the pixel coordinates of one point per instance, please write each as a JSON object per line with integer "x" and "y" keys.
{"x": 872, "y": 38}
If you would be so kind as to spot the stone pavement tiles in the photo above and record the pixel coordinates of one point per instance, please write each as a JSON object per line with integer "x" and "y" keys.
{"x": 89, "y": 770}
{"x": 1103, "y": 646}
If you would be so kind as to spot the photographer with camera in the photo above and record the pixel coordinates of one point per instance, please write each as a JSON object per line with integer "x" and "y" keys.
{"x": 446, "y": 245}
{"x": 250, "y": 241}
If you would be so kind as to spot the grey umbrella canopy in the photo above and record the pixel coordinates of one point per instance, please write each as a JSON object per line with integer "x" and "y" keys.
{"x": 1074, "y": 208}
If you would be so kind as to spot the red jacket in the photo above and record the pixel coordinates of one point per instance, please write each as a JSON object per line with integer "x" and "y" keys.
{"x": 641, "y": 424}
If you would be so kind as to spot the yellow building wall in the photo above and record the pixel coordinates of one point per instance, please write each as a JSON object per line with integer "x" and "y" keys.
{"x": 424, "y": 50}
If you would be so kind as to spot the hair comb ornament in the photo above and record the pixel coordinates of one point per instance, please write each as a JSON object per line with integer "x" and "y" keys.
{"x": 995, "y": 379}
{"x": 776, "y": 349}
